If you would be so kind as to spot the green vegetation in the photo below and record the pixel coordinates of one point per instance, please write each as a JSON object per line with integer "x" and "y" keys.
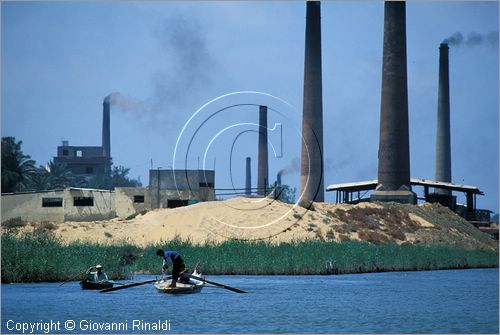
{"x": 118, "y": 178}
{"x": 40, "y": 256}
{"x": 20, "y": 174}
{"x": 16, "y": 166}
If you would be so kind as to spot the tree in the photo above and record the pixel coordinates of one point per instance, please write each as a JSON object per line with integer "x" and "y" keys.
{"x": 17, "y": 168}
{"x": 286, "y": 193}
{"x": 55, "y": 176}
{"x": 118, "y": 178}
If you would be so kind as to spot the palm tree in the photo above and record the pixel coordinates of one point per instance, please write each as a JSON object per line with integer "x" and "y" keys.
{"x": 17, "y": 168}
{"x": 59, "y": 176}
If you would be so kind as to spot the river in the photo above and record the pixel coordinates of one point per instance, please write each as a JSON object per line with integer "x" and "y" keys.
{"x": 449, "y": 301}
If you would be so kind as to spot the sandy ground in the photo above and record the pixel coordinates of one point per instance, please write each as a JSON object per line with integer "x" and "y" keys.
{"x": 270, "y": 220}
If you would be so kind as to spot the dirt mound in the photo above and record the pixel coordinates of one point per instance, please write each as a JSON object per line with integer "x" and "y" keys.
{"x": 271, "y": 220}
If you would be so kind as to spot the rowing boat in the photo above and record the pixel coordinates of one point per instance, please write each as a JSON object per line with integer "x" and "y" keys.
{"x": 183, "y": 286}
{"x": 93, "y": 285}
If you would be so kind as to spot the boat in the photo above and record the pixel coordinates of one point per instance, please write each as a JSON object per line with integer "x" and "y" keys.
{"x": 183, "y": 286}
{"x": 93, "y": 285}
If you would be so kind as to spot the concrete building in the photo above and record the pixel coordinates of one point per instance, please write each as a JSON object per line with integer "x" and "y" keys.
{"x": 85, "y": 161}
{"x": 167, "y": 189}
{"x": 70, "y": 204}
{"x": 131, "y": 200}
{"x": 88, "y": 161}
{"x": 174, "y": 188}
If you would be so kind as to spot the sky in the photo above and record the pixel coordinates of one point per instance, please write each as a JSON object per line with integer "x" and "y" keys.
{"x": 186, "y": 80}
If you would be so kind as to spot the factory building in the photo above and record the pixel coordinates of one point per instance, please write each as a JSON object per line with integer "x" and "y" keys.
{"x": 84, "y": 161}
{"x": 88, "y": 161}
{"x": 175, "y": 188}
{"x": 167, "y": 189}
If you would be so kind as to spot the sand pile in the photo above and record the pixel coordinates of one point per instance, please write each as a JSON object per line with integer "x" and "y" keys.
{"x": 271, "y": 220}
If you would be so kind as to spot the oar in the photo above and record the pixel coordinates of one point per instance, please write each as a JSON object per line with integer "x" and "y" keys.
{"x": 72, "y": 278}
{"x": 131, "y": 285}
{"x": 234, "y": 289}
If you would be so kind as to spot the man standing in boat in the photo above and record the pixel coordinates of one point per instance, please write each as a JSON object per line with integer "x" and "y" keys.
{"x": 172, "y": 257}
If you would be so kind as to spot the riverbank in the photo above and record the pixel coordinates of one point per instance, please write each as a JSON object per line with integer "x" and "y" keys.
{"x": 43, "y": 256}
{"x": 265, "y": 219}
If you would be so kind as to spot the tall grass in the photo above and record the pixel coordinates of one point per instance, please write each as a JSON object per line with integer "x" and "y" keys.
{"x": 43, "y": 257}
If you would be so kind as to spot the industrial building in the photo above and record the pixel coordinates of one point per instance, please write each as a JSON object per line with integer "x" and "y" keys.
{"x": 167, "y": 189}
{"x": 175, "y": 188}
{"x": 88, "y": 161}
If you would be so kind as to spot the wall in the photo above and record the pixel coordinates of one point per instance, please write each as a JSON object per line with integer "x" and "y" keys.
{"x": 124, "y": 201}
{"x": 103, "y": 208}
{"x": 165, "y": 185}
{"x": 28, "y": 206}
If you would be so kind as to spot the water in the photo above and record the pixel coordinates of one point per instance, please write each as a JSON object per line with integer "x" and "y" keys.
{"x": 454, "y": 301}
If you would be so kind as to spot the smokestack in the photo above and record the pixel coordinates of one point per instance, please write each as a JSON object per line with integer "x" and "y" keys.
{"x": 311, "y": 167}
{"x": 262, "y": 171}
{"x": 106, "y": 141}
{"x": 278, "y": 178}
{"x": 443, "y": 151}
{"x": 394, "y": 148}
{"x": 248, "y": 179}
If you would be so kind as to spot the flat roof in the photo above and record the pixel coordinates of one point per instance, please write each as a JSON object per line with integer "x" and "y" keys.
{"x": 60, "y": 190}
{"x": 372, "y": 184}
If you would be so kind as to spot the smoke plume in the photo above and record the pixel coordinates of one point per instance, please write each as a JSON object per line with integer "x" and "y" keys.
{"x": 473, "y": 39}
{"x": 189, "y": 64}
{"x": 293, "y": 167}
{"x": 125, "y": 103}
{"x": 186, "y": 67}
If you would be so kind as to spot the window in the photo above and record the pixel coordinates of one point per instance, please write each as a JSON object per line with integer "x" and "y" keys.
{"x": 52, "y": 202}
{"x": 83, "y": 201}
{"x": 206, "y": 184}
{"x": 176, "y": 203}
{"x": 65, "y": 152}
{"x": 79, "y": 153}
{"x": 138, "y": 199}
{"x": 89, "y": 170}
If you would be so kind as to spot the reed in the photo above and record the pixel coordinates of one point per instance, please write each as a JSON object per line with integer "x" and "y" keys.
{"x": 43, "y": 257}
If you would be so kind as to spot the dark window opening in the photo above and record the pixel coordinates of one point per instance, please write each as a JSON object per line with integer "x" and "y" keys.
{"x": 65, "y": 152}
{"x": 83, "y": 201}
{"x": 177, "y": 203}
{"x": 206, "y": 184}
{"x": 138, "y": 199}
{"x": 52, "y": 202}
{"x": 89, "y": 170}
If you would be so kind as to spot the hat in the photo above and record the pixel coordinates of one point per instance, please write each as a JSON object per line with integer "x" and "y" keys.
{"x": 98, "y": 266}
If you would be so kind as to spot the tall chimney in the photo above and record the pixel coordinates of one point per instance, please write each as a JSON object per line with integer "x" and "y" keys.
{"x": 394, "y": 148}
{"x": 262, "y": 171}
{"x": 278, "y": 178}
{"x": 106, "y": 141}
{"x": 248, "y": 179}
{"x": 443, "y": 152}
{"x": 311, "y": 167}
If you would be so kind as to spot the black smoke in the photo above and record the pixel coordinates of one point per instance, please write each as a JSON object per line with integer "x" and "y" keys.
{"x": 473, "y": 39}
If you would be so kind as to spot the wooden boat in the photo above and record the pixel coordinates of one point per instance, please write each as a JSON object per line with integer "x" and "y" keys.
{"x": 183, "y": 286}
{"x": 92, "y": 285}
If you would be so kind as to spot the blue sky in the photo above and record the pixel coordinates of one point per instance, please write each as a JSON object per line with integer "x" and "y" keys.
{"x": 167, "y": 59}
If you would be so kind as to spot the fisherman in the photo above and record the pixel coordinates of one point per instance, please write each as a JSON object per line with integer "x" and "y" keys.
{"x": 172, "y": 257}
{"x": 97, "y": 276}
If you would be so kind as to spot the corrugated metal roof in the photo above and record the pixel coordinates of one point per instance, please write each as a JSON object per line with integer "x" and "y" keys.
{"x": 372, "y": 184}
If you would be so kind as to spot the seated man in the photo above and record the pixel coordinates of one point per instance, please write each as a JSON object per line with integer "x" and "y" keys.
{"x": 97, "y": 276}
